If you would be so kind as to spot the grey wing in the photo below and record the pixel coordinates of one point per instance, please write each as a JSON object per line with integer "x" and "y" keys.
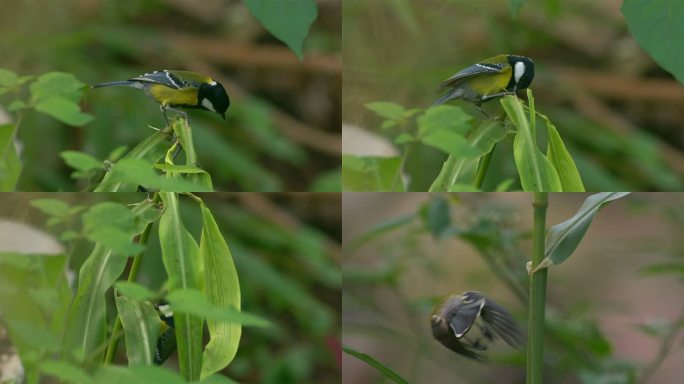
{"x": 162, "y": 77}
{"x": 465, "y": 317}
{"x": 473, "y": 70}
{"x": 503, "y": 324}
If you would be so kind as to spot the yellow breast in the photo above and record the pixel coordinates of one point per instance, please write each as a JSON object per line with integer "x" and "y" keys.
{"x": 169, "y": 96}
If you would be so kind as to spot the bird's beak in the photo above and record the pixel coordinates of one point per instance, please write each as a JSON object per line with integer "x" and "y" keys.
{"x": 224, "y": 115}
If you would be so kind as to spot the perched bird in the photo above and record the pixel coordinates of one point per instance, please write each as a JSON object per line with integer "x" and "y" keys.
{"x": 491, "y": 78}
{"x": 179, "y": 89}
{"x": 166, "y": 343}
{"x": 468, "y": 323}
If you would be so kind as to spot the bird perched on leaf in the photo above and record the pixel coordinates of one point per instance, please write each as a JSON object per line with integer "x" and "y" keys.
{"x": 491, "y": 78}
{"x": 179, "y": 89}
{"x": 468, "y": 323}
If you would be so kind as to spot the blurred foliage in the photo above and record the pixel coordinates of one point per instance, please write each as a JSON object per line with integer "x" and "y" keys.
{"x": 282, "y": 129}
{"x": 382, "y": 309}
{"x": 286, "y": 252}
{"x": 618, "y": 112}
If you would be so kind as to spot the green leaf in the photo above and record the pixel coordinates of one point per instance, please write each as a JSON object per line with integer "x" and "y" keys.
{"x": 65, "y": 371}
{"x": 181, "y": 257}
{"x": 504, "y": 185}
{"x": 444, "y": 118}
{"x": 404, "y": 138}
{"x": 289, "y": 21}
{"x": 463, "y": 188}
{"x": 34, "y": 335}
{"x": 514, "y": 7}
{"x": 562, "y": 239}
{"x": 150, "y": 150}
{"x": 194, "y": 302}
{"x": 64, "y": 110}
{"x": 450, "y": 142}
{"x": 222, "y": 288}
{"x": 388, "y": 110}
{"x": 10, "y": 164}
{"x": 16, "y": 105}
{"x": 7, "y": 78}
{"x": 86, "y": 326}
{"x": 52, "y": 207}
{"x": 535, "y": 170}
{"x": 113, "y": 225}
{"x": 653, "y": 23}
{"x": 141, "y": 324}
{"x": 179, "y": 168}
{"x": 81, "y": 161}
{"x": 134, "y": 290}
{"x": 137, "y": 374}
{"x": 460, "y": 170}
{"x": 56, "y": 85}
{"x": 562, "y": 161}
{"x": 131, "y": 171}
{"x": 437, "y": 216}
{"x": 387, "y": 372}
{"x": 366, "y": 173}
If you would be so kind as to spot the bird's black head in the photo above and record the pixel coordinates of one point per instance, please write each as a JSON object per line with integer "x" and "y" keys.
{"x": 523, "y": 72}
{"x": 213, "y": 97}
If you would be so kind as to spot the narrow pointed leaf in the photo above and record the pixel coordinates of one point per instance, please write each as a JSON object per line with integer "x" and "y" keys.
{"x": 461, "y": 169}
{"x": 562, "y": 161}
{"x": 537, "y": 174}
{"x": 86, "y": 324}
{"x": 223, "y": 290}
{"x": 141, "y": 326}
{"x": 180, "y": 254}
{"x": 562, "y": 239}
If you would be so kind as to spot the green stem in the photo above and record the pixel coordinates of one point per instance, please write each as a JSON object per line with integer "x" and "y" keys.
{"x": 132, "y": 276}
{"x": 482, "y": 169}
{"x": 535, "y": 332}
{"x": 397, "y": 177}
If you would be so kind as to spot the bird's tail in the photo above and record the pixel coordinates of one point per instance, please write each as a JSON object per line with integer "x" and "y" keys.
{"x": 448, "y": 96}
{"x": 113, "y": 83}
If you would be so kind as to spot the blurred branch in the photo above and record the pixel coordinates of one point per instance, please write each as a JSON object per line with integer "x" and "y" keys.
{"x": 595, "y": 109}
{"x": 619, "y": 87}
{"x": 281, "y": 58}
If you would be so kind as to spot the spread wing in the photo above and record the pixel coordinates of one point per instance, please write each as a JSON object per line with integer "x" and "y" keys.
{"x": 503, "y": 324}
{"x": 166, "y": 78}
{"x": 473, "y": 70}
{"x": 465, "y": 316}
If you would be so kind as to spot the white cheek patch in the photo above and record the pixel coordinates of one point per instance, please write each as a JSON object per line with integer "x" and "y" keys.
{"x": 212, "y": 83}
{"x": 518, "y": 71}
{"x": 206, "y": 103}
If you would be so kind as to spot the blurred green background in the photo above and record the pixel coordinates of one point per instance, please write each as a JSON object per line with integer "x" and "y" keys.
{"x": 614, "y": 308}
{"x": 286, "y": 249}
{"x": 619, "y": 113}
{"x": 282, "y": 128}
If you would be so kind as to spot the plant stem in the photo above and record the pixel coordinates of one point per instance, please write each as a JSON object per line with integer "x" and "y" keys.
{"x": 482, "y": 169}
{"x": 535, "y": 332}
{"x": 132, "y": 276}
{"x": 397, "y": 176}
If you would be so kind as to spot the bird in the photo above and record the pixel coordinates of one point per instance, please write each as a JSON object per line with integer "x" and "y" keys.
{"x": 179, "y": 89}
{"x": 166, "y": 343}
{"x": 491, "y": 78}
{"x": 468, "y": 323}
